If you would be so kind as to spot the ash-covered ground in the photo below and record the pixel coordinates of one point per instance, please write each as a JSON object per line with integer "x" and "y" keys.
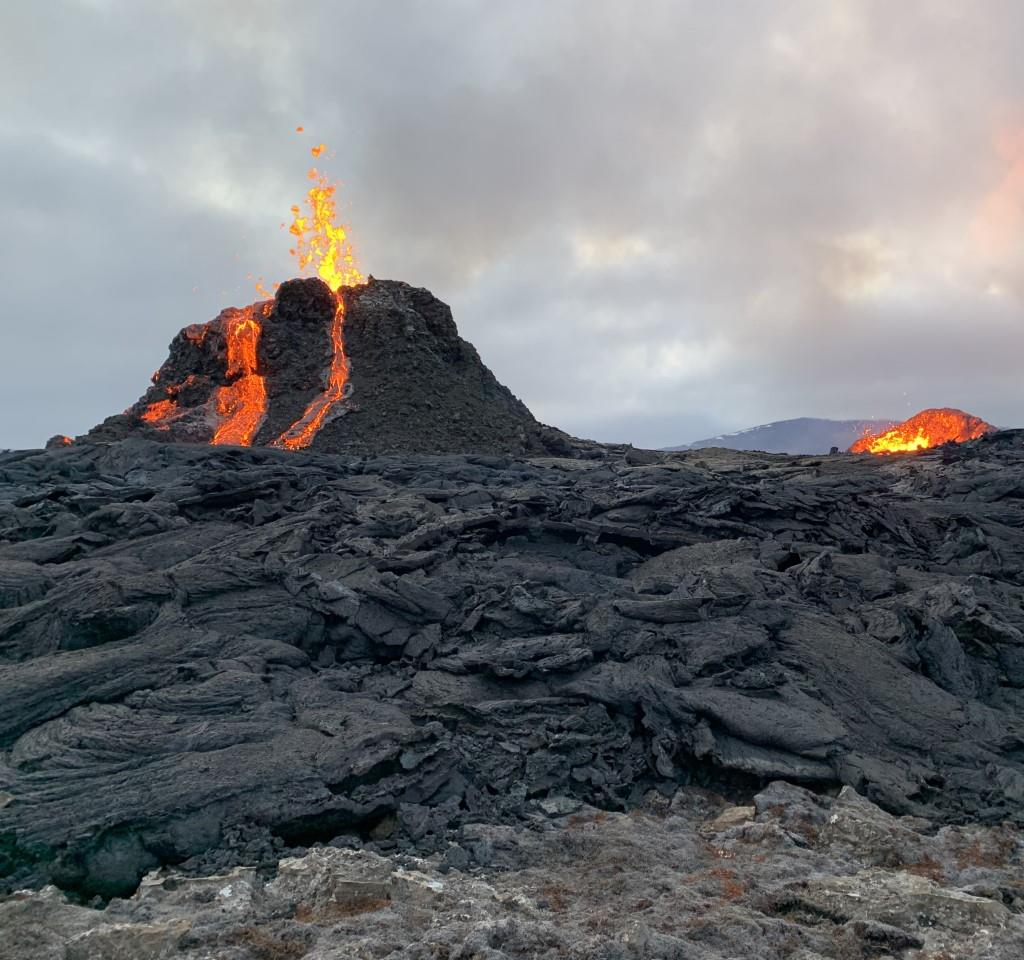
{"x": 213, "y": 658}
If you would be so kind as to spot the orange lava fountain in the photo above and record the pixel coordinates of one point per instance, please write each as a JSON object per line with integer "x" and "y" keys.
{"x": 929, "y": 428}
{"x": 323, "y": 244}
{"x": 243, "y": 402}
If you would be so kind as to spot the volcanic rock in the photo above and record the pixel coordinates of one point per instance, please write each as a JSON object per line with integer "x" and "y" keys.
{"x": 413, "y": 385}
{"x": 219, "y": 656}
{"x": 795, "y": 876}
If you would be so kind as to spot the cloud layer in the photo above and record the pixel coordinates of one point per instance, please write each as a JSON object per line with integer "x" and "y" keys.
{"x": 655, "y": 223}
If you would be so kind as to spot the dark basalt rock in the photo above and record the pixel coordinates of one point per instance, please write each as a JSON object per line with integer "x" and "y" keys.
{"x": 304, "y": 300}
{"x": 208, "y": 654}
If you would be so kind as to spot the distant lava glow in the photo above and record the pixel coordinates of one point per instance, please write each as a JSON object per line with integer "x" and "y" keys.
{"x": 241, "y": 405}
{"x": 929, "y": 428}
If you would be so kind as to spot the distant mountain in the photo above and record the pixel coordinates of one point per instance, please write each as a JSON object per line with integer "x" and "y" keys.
{"x": 808, "y": 435}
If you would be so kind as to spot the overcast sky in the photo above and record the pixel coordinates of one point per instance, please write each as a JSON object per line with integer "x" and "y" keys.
{"x": 657, "y": 221}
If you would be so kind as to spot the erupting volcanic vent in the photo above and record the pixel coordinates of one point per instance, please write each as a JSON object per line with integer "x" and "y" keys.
{"x": 337, "y": 363}
{"x": 241, "y": 403}
{"x": 929, "y": 428}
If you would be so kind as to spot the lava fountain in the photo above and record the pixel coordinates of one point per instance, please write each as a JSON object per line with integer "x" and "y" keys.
{"x": 929, "y": 428}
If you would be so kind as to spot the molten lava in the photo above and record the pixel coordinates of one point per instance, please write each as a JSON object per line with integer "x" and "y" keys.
{"x": 319, "y": 242}
{"x": 158, "y": 413}
{"x": 243, "y": 402}
{"x": 929, "y": 428}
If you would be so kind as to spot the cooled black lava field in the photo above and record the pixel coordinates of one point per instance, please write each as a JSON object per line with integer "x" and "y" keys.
{"x": 212, "y": 655}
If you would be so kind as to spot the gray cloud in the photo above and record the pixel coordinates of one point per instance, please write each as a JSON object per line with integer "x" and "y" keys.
{"x": 655, "y": 223}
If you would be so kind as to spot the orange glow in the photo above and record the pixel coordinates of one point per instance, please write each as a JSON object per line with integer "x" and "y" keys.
{"x": 929, "y": 428}
{"x": 997, "y": 226}
{"x": 157, "y": 412}
{"x": 317, "y": 150}
{"x": 896, "y": 441}
{"x": 299, "y": 129}
{"x": 243, "y": 402}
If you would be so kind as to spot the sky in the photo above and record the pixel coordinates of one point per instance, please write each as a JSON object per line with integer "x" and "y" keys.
{"x": 656, "y": 221}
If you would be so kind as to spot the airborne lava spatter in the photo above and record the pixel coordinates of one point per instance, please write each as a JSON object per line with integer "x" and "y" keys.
{"x": 929, "y": 428}
{"x": 319, "y": 241}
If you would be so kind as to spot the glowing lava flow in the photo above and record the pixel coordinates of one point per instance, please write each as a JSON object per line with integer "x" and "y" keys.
{"x": 896, "y": 441}
{"x": 243, "y": 402}
{"x": 929, "y": 428}
{"x": 321, "y": 243}
{"x": 158, "y": 413}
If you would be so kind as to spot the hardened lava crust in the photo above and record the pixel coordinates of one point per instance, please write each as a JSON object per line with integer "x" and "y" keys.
{"x": 211, "y": 657}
